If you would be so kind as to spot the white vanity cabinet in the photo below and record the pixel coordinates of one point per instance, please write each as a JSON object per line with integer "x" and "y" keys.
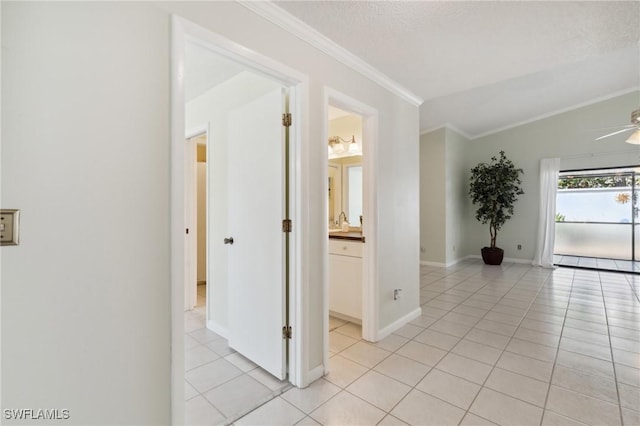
{"x": 345, "y": 278}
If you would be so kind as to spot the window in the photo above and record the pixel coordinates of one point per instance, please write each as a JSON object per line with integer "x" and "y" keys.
{"x": 597, "y": 213}
{"x": 353, "y": 195}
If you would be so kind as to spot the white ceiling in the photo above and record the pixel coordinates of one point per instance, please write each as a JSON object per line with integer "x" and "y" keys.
{"x": 483, "y": 66}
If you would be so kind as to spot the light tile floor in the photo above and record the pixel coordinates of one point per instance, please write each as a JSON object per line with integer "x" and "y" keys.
{"x": 507, "y": 345}
{"x": 220, "y": 384}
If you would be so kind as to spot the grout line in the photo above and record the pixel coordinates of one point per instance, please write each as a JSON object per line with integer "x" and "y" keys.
{"x": 511, "y": 288}
{"x": 274, "y": 393}
{"x": 555, "y": 359}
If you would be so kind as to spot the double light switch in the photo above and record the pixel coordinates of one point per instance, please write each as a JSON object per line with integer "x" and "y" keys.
{"x": 9, "y": 226}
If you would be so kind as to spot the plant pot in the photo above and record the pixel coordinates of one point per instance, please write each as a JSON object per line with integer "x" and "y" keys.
{"x": 492, "y": 255}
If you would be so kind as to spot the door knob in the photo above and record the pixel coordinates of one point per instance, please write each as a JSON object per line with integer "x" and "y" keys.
{"x": 228, "y": 240}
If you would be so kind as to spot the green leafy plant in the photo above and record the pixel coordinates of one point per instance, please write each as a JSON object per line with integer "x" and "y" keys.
{"x": 495, "y": 187}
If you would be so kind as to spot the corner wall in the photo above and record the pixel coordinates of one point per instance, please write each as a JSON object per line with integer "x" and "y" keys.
{"x": 433, "y": 191}
{"x": 443, "y": 194}
{"x": 456, "y": 198}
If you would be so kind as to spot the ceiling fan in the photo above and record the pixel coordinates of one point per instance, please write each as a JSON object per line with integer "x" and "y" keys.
{"x": 635, "y": 125}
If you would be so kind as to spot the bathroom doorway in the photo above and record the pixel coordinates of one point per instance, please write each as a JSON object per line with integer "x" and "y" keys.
{"x": 345, "y": 202}
{"x": 351, "y": 280}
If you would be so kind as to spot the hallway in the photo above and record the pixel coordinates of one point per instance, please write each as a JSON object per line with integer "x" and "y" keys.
{"x": 504, "y": 345}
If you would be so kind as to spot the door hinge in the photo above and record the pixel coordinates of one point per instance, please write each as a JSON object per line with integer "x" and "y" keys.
{"x": 286, "y": 225}
{"x": 286, "y": 332}
{"x": 286, "y": 119}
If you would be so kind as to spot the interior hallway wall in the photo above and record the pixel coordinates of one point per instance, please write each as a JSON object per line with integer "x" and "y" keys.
{"x": 85, "y": 153}
{"x": 85, "y": 156}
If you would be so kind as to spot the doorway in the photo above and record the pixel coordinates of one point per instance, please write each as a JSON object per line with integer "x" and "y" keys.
{"x": 240, "y": 98}
{"x": 345, "y": 212}
{"x": 196, "y": 238}
{"x": 351, "y": 276}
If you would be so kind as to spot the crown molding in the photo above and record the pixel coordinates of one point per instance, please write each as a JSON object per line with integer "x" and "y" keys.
{"x": 304, "y": 32}
{"x": 560, "y": 111}
{"x": 533, "y": 119}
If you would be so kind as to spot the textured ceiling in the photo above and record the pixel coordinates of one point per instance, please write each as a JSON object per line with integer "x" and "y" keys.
{"x": 483, "y": 66}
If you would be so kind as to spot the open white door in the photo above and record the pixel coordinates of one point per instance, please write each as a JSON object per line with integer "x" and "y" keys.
{"x": 256, "y": 210}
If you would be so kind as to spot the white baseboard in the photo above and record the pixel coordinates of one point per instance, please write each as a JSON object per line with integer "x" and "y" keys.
{"x": 515, "y": 260}
{"x": 399, "y": 323}
{"x": 313, "y": 375}
{"x": 436, "y": 264}
{"x": 506, "y": 259}
{"x": 218, "y": 329}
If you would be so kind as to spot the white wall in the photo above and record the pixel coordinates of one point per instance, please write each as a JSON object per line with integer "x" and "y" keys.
{"x": 456, "y": 198}
{"x": 433, "y": 193}
{"x": 442, "y": 196}
{"x": 85, "y": 154}
{"x": 85, "y": 111}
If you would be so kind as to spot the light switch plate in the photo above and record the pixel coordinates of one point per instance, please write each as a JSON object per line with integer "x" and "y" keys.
{"x": 9, "y": 227}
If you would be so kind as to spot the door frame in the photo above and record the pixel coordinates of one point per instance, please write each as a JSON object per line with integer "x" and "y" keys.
{"x": 183, "y": 30}
{"x": 370, "y": 213}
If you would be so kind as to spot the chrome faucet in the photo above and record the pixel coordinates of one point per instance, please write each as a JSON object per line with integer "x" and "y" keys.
{"x": 340, "y": 218}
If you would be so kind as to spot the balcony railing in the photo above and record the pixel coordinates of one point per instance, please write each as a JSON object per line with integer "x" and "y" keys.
{"x": 596, "y": 239}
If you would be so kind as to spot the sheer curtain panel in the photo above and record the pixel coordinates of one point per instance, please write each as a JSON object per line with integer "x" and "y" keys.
{"x": 549, "y": 169}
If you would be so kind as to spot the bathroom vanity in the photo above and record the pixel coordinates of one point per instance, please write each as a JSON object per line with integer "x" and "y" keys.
{"x": 345, "y": 275}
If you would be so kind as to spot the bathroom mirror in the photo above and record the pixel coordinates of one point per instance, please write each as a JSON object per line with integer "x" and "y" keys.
{"x": 345, "y": 191}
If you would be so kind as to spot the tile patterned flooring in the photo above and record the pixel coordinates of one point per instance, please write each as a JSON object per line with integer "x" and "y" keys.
{"x": 220, "y": 384}
{"x": 597, "y": 263}
{"x": 506, "y": 345}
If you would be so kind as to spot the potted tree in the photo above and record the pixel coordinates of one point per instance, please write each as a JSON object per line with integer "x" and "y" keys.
{"x": 495, "y": 187}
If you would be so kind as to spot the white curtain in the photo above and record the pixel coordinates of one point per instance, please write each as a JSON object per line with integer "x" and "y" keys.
{"x": 549, "y": 169}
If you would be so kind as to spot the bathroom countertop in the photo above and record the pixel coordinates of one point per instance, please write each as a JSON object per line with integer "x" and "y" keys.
{"x": 351, "y": 235}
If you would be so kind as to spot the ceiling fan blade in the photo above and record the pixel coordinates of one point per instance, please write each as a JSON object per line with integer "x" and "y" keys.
{"x": 615, "y": 133}
{"x": 628, "y": 126}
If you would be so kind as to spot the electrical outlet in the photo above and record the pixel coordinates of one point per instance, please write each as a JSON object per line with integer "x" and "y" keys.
{"x": 421, "y": 249}
{"x": 519, "y": 246}
{"x": 396, "y": 293}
